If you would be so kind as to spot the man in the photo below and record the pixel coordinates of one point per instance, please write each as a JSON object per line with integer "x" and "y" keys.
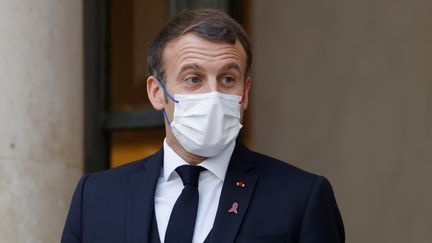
{"x": 203, "y": 186}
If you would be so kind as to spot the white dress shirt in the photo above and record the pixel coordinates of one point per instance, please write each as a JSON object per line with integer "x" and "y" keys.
{"x": 170, "y": 186}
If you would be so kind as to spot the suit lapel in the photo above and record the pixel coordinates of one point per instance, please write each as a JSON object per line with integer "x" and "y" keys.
{"x": 227, "y": 224}
{"x": 141, "y": 199}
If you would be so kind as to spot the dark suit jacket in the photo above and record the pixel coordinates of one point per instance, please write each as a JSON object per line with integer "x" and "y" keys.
{"x": 279, "y": 203}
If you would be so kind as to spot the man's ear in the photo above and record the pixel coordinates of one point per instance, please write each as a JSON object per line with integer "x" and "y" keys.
{"x": 155, "y": 93}
{"x": 245, "y": 100}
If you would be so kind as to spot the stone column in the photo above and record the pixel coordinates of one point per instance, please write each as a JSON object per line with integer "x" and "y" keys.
{"x": 41, "y": 116}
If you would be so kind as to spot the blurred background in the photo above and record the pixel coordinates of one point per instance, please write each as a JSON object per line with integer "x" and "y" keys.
{"x": 339, "y": 88}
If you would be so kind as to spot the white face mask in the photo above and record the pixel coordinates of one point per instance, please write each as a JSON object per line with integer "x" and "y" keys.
{"x": 207, "y": 123}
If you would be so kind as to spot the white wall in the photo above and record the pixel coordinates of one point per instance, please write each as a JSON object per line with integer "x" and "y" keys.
{"x": 344, "y": 89}
{"x": 41, "y": 116}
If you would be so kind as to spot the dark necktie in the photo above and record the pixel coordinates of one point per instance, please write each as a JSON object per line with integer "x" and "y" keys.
{"x": 182, "y": 220}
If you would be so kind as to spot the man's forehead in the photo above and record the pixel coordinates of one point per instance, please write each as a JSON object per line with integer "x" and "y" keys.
{"x": 191, "y": 42}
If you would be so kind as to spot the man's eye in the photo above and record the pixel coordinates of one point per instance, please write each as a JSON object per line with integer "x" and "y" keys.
{"x": 228, "y": 80}
{"x": 193, "y": 80}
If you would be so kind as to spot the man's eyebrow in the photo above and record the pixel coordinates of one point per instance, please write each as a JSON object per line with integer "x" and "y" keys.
{"x": 232, "y": 65}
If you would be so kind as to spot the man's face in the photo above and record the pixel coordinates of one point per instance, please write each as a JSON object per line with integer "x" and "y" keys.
{"x": 195, "y": 65}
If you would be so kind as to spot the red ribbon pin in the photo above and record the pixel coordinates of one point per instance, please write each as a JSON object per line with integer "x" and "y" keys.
{"x": 233, "y": 208}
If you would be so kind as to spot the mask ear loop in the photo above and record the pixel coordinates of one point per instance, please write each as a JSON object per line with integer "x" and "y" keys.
{"x": 166, "y": 92}
{"x": 244, "y": 94}
{"x": 169, "y": 96}
{"x": 166, "y": 117}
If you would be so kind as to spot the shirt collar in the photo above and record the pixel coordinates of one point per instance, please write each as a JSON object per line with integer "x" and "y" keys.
{"x": 217, "y": 165}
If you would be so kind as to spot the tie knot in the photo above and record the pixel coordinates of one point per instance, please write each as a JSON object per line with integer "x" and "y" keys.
{"x": 189, "y": 174}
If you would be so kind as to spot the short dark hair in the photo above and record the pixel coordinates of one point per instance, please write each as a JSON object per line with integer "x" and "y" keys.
{"x": 210, "y": 24}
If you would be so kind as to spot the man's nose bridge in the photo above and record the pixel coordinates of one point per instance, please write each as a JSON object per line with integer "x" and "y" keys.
{"x": 213, "y": 84}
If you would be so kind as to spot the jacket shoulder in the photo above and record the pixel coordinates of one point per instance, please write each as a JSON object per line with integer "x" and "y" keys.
{"x": 311, "y": 200}
{"x": 275, "y": 168}
{"x": 121, "y": 174}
